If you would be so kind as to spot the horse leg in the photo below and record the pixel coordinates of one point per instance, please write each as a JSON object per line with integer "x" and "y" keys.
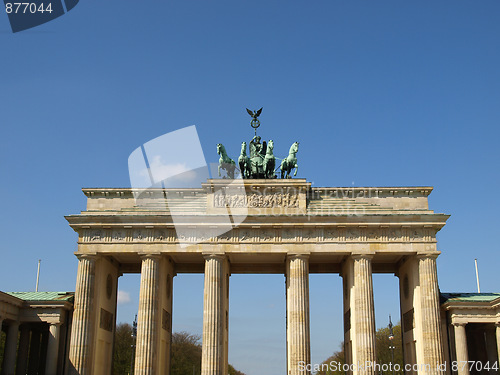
{"x": 296, "y": 169}
{"x": 242, "y": 169}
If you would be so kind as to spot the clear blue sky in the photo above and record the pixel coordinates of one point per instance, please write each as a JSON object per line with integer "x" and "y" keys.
{"x": 378, "y": 93}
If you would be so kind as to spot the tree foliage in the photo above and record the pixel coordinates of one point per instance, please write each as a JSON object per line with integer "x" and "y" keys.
{"x": 232, "y": 371}
{"x": 382, "y": 348}
{"x": 383, "y": 345}
{"x": 337, "y": 357}
{"x": 185, "y": 355}
{"x": 2, "y": 345}
{"x": 123, "y": 350}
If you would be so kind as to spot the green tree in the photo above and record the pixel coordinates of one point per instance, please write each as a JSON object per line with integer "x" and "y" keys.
{"x": 383, "y": 344}
{"x": 382, "y": 348}
{"x": 123, "y": 350}
{"x": 336, "y": 358}
{"x": 232, "y": 371}
{"x": 186, "y": 354}
{"x": 2, "y": 345}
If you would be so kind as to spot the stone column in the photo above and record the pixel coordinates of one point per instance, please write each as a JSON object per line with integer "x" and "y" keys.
{"x": 10, "y": 351}
{"x": 364, "y": 315}
{"x": 214, "y": 318}
{"x": 430, "y": 316}
{"x": 297, "y": 314}
{"x": 52, "y": 350}
{"x": 80, "y": 351}
{"x": 498, "y": 338}
{"x": 147, "y": 329}
{"x": 22, "y": 356}
{"x": 461, "y": 348}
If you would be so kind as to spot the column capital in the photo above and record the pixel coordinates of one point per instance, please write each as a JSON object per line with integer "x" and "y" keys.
{"x": 87, "y": 256}
{"x": 432, "y": 255}
{"x": 497, "y": 324}
{"x": 304, "y": 256}
{"x": 154, "y": 256}
{"x": 209, "y": 255}
{"x": 459, "y": 324}
{"x": 357, "y": 256}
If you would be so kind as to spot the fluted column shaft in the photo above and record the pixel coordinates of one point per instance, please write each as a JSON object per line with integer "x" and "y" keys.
{"x": 498, "y": 338}
{"x": 431, "y": 327}
{"x": 297, "y": 309}
{"x": 461, "y": 348}
{"x": 147, "y": 329}
{"x": 364, "y": 312}
{"x": 52, "y": 350}
{"x": 9, "y": 358}
{"x": 81, "y": 334}
{"x": 213, "y": 317}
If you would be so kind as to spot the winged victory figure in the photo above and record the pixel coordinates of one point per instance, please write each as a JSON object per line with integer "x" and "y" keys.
{"x": 254, "y": 114}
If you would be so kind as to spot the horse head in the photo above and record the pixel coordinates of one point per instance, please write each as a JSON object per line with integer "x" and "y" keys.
{"x": 220, "y": 148}
{"x": 294, "y": 148}
{"x": 243, "y": 148}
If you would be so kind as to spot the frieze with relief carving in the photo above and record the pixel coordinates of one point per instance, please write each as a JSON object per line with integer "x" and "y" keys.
{"x": 245, "y": 234}
{"x": 267, "y": 235}
{"x": 288, "y": 234}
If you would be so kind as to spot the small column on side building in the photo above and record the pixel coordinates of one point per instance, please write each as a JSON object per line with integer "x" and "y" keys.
{"x": 430, "y": 314}
{"x": 9, "y": 357}
{"x": 214, "y": 359}
{"x": 22, "y": 355}
{"x": 52, "y": 349}
{"x": 461, "y": 348}
{"x": 497, "y": 324}
{"x": 147, "y": 329}
{"x": 83, "y": 324}
{"x": 297, "y": 314}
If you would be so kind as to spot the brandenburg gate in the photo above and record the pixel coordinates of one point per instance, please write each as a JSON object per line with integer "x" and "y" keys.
{"x": 260, "y": 225}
